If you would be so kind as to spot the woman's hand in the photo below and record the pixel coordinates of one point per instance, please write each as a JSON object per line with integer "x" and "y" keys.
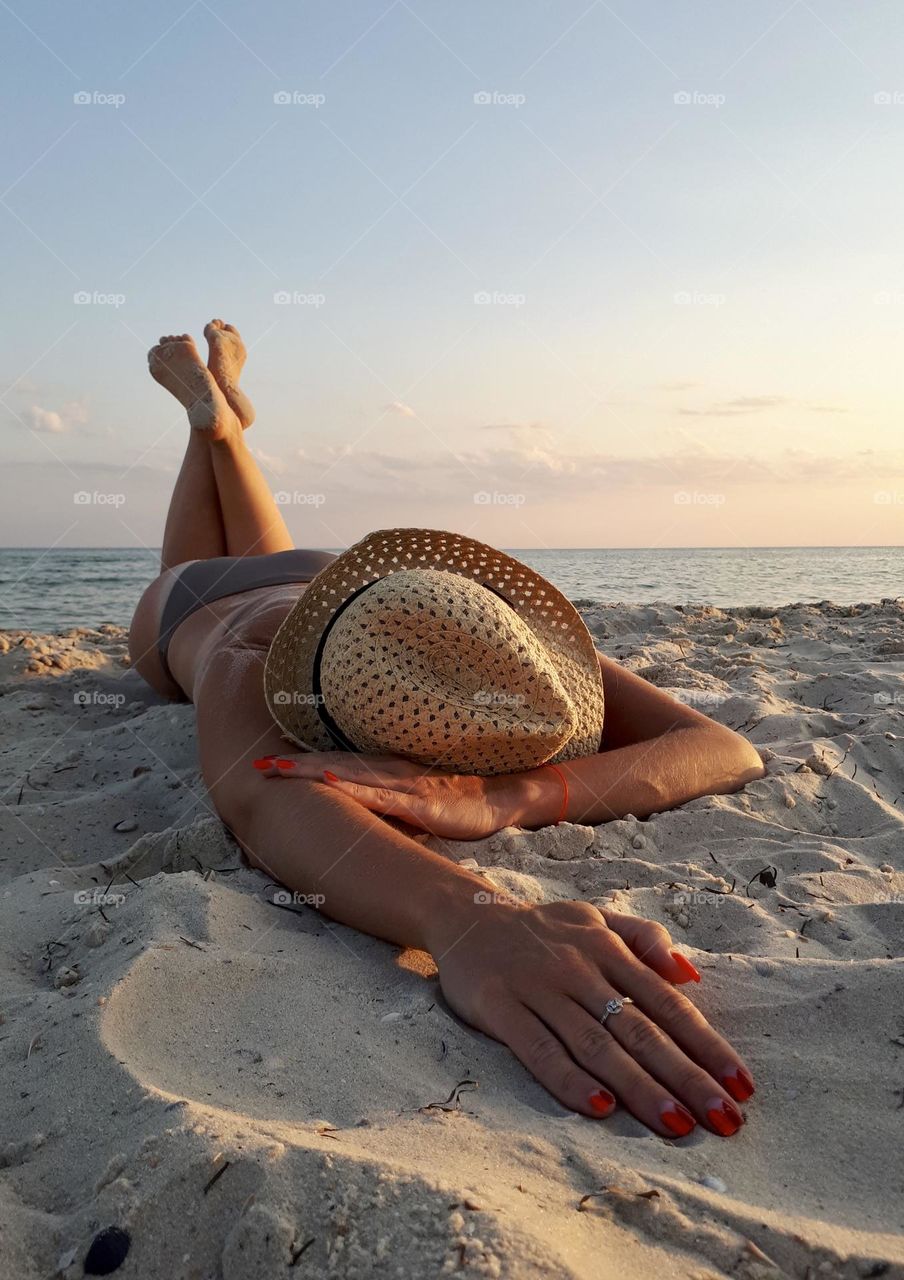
{"x": 454, "y": 805}
{"x": 539, "y": 979}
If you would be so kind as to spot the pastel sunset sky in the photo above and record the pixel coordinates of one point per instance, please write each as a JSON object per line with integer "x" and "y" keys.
{"x": 549, "y": 272}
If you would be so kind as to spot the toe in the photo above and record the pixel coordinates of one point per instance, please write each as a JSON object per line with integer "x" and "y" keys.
{"x": 230, "y": 328}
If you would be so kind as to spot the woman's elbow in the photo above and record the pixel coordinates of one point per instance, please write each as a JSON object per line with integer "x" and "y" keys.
{"x": 739, "y": 759}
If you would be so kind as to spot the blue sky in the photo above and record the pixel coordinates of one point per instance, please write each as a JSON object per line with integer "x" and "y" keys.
{"x": 649, "y": 293}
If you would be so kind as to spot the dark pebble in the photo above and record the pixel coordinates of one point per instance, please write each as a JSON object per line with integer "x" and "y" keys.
{"x": 108, "y": 1251}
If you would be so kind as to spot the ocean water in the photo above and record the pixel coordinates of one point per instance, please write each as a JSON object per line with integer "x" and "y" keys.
{"x": 52, "y": 590}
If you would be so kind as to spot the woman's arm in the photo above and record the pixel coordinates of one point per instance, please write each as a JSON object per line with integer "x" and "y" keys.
{"x": 656, "y": 754}
{"x": 537, "y": 978}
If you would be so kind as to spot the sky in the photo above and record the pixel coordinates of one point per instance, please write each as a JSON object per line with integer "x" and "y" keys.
{"x": 551, "y": 273}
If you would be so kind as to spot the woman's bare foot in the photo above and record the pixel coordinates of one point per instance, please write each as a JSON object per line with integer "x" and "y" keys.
{"x": 176, "y": 365}
{"x": 226, "y": 359}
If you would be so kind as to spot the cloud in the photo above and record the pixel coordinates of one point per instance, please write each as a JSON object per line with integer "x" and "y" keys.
{"x": 44, "y": 420}
{"x": 514, "y": 426}
{"x": 269, "y": 461}
{"x": 548, "y": 474}
{"x": 740, "y": 405}
{"x": 399, "y": 407}
{"x": 677, "y": 386}
{"x": 73, "y": 414}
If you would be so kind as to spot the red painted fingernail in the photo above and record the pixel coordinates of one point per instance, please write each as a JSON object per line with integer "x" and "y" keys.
{"x": 677, "y": 1118}
{"x": 723, "y": 1117}
{"x": 687, "y": 969}
{"x": 265, "y": 762}
{"x": 330, "y": 777}
{"x": 739, "y": 1083}
{"x": 285, "y": 764}
{"x": 602, "y": 1101}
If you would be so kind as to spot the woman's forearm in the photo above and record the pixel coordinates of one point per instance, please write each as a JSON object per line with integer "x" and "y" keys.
{"x": 642, "y": 778}
{"x": 364, "y": 872}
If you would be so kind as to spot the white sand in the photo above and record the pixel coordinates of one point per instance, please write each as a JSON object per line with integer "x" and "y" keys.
{"x": 199, "y": 1029}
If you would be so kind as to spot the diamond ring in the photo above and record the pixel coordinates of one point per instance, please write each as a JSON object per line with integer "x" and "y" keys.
{"x": 615, "y": 1005}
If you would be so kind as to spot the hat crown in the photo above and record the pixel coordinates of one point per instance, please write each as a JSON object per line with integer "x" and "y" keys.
{"x": 484, "y": 695}
{"x": 446, "y": 663}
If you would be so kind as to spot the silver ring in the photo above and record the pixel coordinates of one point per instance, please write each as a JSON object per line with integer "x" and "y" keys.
{"x": 615, "y": 1005}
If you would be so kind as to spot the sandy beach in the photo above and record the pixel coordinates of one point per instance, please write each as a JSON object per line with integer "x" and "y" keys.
{"x": 248, "y": 1090}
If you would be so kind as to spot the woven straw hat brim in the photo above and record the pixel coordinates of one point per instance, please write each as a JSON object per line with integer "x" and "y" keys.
{"x": 552, "y": 620}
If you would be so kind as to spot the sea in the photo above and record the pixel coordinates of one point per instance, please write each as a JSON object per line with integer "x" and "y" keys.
{"x": 52, "y": 590}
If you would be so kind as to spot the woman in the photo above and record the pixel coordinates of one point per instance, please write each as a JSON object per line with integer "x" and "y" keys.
{"x": 586, "y": 999}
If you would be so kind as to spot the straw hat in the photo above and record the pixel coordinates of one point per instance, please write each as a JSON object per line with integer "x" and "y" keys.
{"x": 435, "y": 647}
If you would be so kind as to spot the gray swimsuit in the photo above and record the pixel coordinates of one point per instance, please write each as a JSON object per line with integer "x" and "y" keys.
{"x": 200, "y": 582}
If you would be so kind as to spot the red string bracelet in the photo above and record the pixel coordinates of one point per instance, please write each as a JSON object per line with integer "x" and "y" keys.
{"x": 555, "y": 768}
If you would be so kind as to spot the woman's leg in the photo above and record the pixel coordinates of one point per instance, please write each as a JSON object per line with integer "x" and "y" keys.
{"x": 194, "y": 522}
{"x": 250, "y": 521}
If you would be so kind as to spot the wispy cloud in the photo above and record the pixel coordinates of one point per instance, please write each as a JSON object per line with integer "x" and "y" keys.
{"x": 742, "y": 405}
{"x": 400, "y": 408}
